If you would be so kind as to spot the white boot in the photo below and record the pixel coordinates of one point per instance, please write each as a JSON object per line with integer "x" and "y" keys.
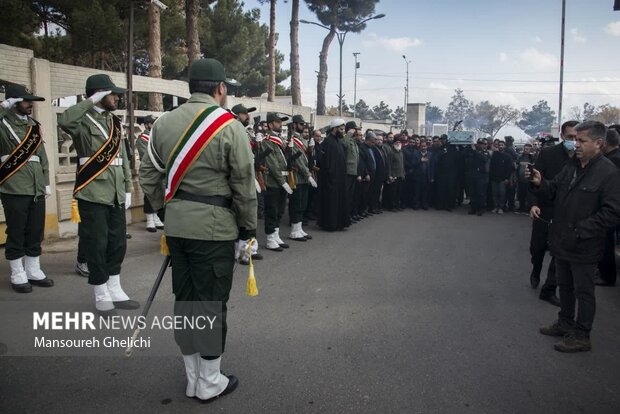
{"x": 272, "y": 242}
{"x": 103, "y": 300}
{"x": 192, "y": 368}
{"x": 211, "y": 382}
{"x": 296, "y": 233}
{"x": 279, "y": 240}
{"x": 158, "y": 222}
{"x": 33, "y": 268}
{"x": 150, "y": 223}
{"x": 118, "y": 295}
{"x": 18, "y": 274}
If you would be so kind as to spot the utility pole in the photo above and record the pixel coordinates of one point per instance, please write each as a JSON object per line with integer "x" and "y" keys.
{"x": 407, "y": 62}
{"x": 562, "y": 65}
{"x": 131, "y": 137}
{"x": 357, "y": 66}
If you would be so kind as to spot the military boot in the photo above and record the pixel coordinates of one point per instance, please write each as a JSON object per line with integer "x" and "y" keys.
{"x": 559, "y": 328}
{"x": 576, "y": 341}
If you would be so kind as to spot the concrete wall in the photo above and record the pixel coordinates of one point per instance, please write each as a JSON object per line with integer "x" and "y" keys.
{"x": 55, "y": 80}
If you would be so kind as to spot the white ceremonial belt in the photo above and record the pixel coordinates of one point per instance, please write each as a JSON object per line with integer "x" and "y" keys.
{"x": 116, "y": 161}
{"x": 33, "y": 158}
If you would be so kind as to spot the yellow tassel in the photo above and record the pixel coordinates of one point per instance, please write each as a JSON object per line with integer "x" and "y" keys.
{"x": 252, "y": 289}
{"x": 163, "y": 246}
{"x": 75, "y": 212}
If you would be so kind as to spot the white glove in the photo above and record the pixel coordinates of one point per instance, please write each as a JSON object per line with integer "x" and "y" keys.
{"x": 241, "y": 249}
{"x": 287, "y": 188}
{"x": 9, "y": 103}
{"x": 291, "y": 143}
{"x": 98, "y": 96}
{"x": 255, "y": 247}
{"x": 311, "y": 143}
{"x": 127, "y": 200}
{"x": 259, "y": 137}
{"x": 257, "y": 186}
{"x": 48, "y": 191}
{"x": 312, "y": 182}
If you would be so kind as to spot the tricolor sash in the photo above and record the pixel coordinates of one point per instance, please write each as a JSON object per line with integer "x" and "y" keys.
{"x": 104, "y": 156}
{"x": 205, "y": 126}
{"x": 22, "y": 153}
{"x": 300, "y": 145}
{"x": 145, "y": 136}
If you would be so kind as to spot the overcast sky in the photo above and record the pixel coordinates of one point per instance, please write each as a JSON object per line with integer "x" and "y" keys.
{"x": 506, "y": 51}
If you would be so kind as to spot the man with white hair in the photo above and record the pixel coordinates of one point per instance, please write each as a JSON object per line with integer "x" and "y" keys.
{"x": 333, "y": 207}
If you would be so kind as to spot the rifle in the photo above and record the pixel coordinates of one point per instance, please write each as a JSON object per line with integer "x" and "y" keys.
{"x": 260, "y": 168}
{"x": 290, "y": 166}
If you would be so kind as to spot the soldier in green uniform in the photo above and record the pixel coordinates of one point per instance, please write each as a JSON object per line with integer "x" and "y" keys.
{"x": 276, "y": 182}
{"x": 152, "y": 220}
{"x": 103, "y": 189}
{"x": 352, "y": 151}
{"x": 298, "y": 201}
{"x": 24, "y": 186}
{"x": 210, "y": 202}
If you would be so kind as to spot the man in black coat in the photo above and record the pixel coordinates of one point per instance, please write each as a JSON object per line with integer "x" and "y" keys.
{"x": 499, "y": 175}
{"x": 422, "y": 177}
{"x": 586, "y": 194}
{"x": 381, "y": 174}
{"x": 368, "y": 159}
{"x": 550, "y": 162}
{"x": 333, "y": 207}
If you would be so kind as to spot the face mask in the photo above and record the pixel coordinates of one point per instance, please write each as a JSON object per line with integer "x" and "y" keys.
{"x": 569, "y": 145}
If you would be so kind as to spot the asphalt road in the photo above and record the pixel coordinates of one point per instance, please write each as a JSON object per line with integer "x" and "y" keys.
{"x": 413, "y": 312}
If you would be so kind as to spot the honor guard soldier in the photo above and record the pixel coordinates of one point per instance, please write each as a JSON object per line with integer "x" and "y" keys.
{"x": 277, "y": 186}
{"x": 24, "y": 186}
{"x": 298, "y": 201}
{"x": 210, "y": 202}
{"x": 243, "y": 115}
{"x": 102, "y": 189}
{"x": 152, "y": 220}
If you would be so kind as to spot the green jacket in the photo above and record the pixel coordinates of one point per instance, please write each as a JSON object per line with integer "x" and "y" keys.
{"x": 302, "y": 174}
{"x": 397, "y": 165}
{"x": 276, "y": 173}
{"x": 141, "y": 144}
{"x": 353, "y": 154}
{"x": 224, "y": 168}
{"x": 111, "y": 185}
{"x": 31, "y": 178}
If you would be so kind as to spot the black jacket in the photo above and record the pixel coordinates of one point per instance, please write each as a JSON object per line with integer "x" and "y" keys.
{"x": 501, "y": 167}
{"x": 586, "y": 205}
{"x": 381, "y": 172}
{"x": 363, "y": 164}
{"x": 614, "y": 156}
{"x": 550, "y": 162}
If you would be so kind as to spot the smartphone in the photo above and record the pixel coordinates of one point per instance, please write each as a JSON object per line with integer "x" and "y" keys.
{"x": 530, "y": 168}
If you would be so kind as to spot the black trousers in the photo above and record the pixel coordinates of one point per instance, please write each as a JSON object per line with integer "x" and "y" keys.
{"x": 311, "y": 208}
{"x": 522, "y": 196}
{"x": 81, "y": 253}
{"x": 103, "y": 239}
{"x": 408, "y": 187}
{"x": 538, "y": 247}
{"x": 202, "y": 274}
{"x": 25, "y": 224}
{"x": 147, "y": 207}
{"x": 297, "y": 203}
{"x": 576, "y": 281}
{"x": 510, "y": 196}
{"x": 362, "y": 190}
{"x": 392, "y": 194}
{"x": 275, "y": 203}
{"x": 607, "y": 265}
{"x": 350, "y": 183}
{"x": 375, "y": 194}
{"x": 420, "y": 194}
{"x": 478, "y": 185}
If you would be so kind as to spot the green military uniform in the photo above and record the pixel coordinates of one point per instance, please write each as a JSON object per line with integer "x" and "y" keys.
{"x": 299, "y": 199}
{"x": 397, "y": 172}
{"x": 101, "y": 202}
{"x": 352, "y": 154}
{"x": 152, "y": 221}
{"x": 23, "y": 194}
{"x": 275, "y": 181}
{"x": 214, "y": 205}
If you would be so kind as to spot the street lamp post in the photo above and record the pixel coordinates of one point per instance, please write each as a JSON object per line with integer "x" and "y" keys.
{"x": 357, "y": 65}
{"x": 561, "y": 66}
{"x": 407, "y": 62}
{"x": 341, "y": 36}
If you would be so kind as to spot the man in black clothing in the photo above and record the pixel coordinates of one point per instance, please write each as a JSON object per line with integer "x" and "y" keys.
{"x": 422, "y": 177}
{"x": 587, "y": 205}
{"x": 549, "y": 162}
{"x": 409, "y": 185}
{"x": 510, "y": 187}
{"x": 522, "y": 184}
{"x": 445, "y": 175}
{"x": 477, "y": 167}
{"x": 368, "y": 157}
{"x": 381, "y": 174}
{"x": 499, "y": 174}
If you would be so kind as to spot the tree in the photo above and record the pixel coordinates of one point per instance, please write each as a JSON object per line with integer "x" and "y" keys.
{"x": 381, "y": 111}
{"x": 538, "y": 119}
{"x": 398, "y": 116}
{"x": 192, "y": 13}
{"x": 337, "y": 15}
{"x": 459, "y": 109}
{"x": 489, "y": 118}
{"x": 362, "y": 110}
{"x": 589, "y": 111}
{"x": 295, "y": 71}
{"x": 271, "y": 50}
{"x": 608, "y": 114}
{"x": 434, "y": 114}
{"x": 155, "y": 99}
